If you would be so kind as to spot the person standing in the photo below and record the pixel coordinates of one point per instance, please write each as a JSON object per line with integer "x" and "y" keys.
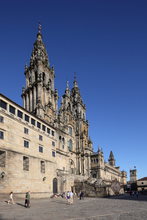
{"x": 11, "y": 198}
{"x": 27, "y": 200}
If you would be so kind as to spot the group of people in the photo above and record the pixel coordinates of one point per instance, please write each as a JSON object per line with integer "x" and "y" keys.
{"x": 27, "y": 199}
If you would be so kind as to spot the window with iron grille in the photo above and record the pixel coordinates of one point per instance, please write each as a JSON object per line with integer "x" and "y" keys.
{"x": 1, "y": 135}
{"x": 40, "y": 149}
{"x": 1, "y": 119}
{"x": 26, "y": 163}
{"x": 42, "y": 166}
{"x": 40, "y": 137}
{"x": 2, "y": 158}
{"x": 26, "y": 130}
{"x": 26, "y": 144}
{"x": 53, "y": 153}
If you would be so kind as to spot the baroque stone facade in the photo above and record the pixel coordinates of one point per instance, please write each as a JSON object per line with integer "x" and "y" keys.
{"x": 42, "y": 148}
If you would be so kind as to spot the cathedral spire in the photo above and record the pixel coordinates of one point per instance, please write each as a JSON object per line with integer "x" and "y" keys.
{"x": 111, "y": 159}
{"x": 39, "y": 53}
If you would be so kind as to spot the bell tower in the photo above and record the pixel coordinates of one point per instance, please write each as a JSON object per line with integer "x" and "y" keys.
{"x": 39, "y": 95}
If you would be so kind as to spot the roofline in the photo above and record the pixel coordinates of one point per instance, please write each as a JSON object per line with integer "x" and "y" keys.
{"x": 25, "y": 110}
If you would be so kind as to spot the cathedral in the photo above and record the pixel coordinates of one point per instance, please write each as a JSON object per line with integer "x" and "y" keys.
{"x": 45, "y": 148}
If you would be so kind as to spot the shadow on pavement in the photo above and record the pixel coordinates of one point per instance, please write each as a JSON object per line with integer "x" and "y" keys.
{"x": 128, "y": 197}
{"x": 20, "y": 204}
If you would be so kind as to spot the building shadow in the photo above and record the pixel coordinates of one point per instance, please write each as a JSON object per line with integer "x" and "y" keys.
{"x": 140, "y": 197}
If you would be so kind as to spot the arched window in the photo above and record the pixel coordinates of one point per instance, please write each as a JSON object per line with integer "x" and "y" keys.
{"x": 70, "y": 144}
{"x": 70, "y": 130}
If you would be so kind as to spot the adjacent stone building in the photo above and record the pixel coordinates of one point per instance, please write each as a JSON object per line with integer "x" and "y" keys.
{"x": 43, "y": 148}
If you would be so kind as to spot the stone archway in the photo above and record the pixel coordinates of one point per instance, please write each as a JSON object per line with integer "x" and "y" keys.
{"x": 55, "y": 185}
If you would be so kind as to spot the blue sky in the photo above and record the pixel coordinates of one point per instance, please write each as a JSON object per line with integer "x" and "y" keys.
{"x": 105, "y": 43}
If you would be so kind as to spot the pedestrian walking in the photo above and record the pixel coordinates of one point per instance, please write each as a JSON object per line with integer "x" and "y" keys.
{"x": 68, "y": 197}
{"x": 81, "y": 195}
{"x": 27, "y": 200}
{"x": 71, "y": 197}
{"x": 11, "y": 198}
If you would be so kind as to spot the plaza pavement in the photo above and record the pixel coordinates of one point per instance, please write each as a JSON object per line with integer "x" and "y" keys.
{"x": 112, "y": 208}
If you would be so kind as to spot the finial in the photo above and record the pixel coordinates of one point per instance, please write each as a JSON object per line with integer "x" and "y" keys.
{"x": 67, "y": 84}
{"x": 39, "y": 27}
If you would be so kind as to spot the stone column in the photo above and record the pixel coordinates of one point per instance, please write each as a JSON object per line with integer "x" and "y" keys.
{"x": 24, "y": 101}
{"x": 30, "y": 97}
{"x": 35, "y": 96}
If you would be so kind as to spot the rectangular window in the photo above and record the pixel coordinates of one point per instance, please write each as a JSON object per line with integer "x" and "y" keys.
{"x": 38, "y": 125}
{"x": 52, "y": 133}
{"x": 40, "y": 137}
{"x": 26, "y": 130}
{"x": 40, "y": 149}
{"x": 11, "y": 109}
{"x": 53, "y": 143}
{"x": 26, "y": 144}
{"x": 3, "y": 104}
{"x": 53, "y": 153}
{"x": 43, "y": 127}
{"x": 42, "y": 166}
{"x": 1, "y": 119}
{"x": 48, "y": 130}
{"x": 32, "y": 121}
{"x": 25, "y": 163}
{"x": 2, "y": 158}
{"x": 27, "y": 118}
{"x": 19, "y": 114}
{"x": 1, "y": 135}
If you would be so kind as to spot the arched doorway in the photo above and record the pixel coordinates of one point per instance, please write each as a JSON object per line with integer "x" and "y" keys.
{"x": 55, "y": 185}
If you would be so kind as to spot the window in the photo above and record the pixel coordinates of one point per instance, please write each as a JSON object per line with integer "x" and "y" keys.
{"x": 70, "y": 130}
{"x": 25, "y": 163}
{"x": 19, "y": 114}
{"x": 52, "y": 133}
{"x": 70, "y": 144}
{"x": 42, "y": 166}
{"x": 26, "y": 130}
{"x": 32, "y": 121}
{"x": 62, "y": 146}
{"x": 53, "y": 153}
{"x": 26, "y": 144}
{"x": 60, "y": 138}
{"x": 43, "y": 127}
{"x": 40, "y": 137}
{"x": 53, "y": 143}
{"x": 1, "y": 119}
{"x": 2, "y": 158}
{"x": 38, "y": 125}
{"x": 11, "y": 109}
{"x": 48, "y": 130}
{"x": 3, "y": 104}
{"x": 40, "y": 149}
{"x": 27, "y": 118}
{"x": 1, "y": 135}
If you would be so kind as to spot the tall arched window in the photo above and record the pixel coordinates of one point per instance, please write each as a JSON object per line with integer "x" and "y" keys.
{"x": 70, "y": 130}
{"x": 70, "y": 144}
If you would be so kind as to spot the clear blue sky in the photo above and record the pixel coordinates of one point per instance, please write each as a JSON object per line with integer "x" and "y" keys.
{"x": 105, "y": 43}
